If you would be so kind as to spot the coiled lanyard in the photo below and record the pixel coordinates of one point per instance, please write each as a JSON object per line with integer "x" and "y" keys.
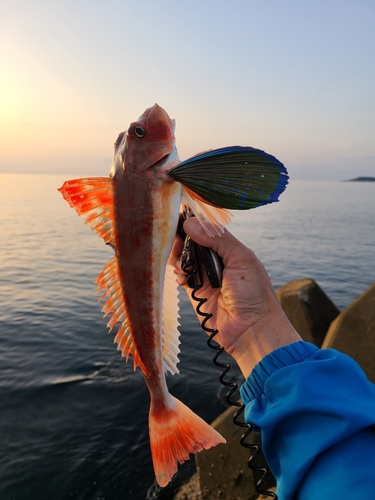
{"x": 194, "y": 259}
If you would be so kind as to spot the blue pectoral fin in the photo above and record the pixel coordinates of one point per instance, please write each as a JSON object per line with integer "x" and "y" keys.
{"x": 238, "y": 178}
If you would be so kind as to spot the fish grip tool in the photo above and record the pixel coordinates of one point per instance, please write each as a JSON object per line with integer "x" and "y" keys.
{"x": 191, "y": 259}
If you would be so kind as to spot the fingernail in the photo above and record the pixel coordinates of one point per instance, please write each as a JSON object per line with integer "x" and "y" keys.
{"x": 193, "y": 225}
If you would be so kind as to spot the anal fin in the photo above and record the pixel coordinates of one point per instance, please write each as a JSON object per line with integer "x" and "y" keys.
{"x": 170, "y": 321}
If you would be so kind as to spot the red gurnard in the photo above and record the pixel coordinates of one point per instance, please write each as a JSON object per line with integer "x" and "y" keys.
{"x": 136, "y": 211}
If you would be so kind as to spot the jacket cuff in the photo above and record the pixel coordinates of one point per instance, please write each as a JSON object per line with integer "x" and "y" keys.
{"x": 290, "y": 354}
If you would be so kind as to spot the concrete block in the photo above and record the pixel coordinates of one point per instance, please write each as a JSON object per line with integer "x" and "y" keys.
{"x": 190, "y": 490}
{"x": 353, "y": 332}
{"x": 308, "y": 308}
{"x": 222, "y": 471}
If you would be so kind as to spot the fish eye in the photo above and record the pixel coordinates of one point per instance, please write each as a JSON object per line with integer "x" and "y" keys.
{"x": 139, "y": 131}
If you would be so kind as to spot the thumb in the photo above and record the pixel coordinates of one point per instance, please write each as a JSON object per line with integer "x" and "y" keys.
{"x": 226, "y": 245}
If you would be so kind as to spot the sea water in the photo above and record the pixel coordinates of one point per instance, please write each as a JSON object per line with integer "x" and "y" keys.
{"x": 73, "y": 414}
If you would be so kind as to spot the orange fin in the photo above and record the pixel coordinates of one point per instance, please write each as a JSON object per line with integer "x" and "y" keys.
{"x": 109, "y": 281}
{"x": 175, "y": 433}
{"x": 92, "y": 199}
{"x": 213, "y": 219}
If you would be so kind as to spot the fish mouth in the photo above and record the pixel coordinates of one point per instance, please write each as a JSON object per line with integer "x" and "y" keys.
{"x": 161, "y": 162}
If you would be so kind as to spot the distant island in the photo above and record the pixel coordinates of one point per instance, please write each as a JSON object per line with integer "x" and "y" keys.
{"x": 362, "y": 179}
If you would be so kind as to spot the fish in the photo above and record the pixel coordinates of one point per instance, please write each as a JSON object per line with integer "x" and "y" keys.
{"x": 136, "y": 211}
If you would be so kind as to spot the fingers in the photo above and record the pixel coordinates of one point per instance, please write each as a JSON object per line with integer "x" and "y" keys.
{"x": 236, "y": 256}
{"x": 226, "y": 245}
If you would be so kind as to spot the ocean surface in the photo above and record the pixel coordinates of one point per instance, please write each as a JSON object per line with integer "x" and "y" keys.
{"x": 73, "y": 414}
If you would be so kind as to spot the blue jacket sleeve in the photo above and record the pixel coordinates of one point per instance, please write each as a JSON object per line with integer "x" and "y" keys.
{"x": 316, "y": 412}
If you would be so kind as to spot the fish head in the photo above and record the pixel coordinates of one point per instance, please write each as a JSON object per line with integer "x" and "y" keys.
{"x": 148, "y": 142}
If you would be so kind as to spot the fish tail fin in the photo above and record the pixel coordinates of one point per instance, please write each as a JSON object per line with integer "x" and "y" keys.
{"x": 175, "y": 433}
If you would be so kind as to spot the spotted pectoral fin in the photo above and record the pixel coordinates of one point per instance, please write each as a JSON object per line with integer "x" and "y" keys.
{"x": 170, "y": 317}
{"x": 109, "y": 281}
{"x": 93, "y": 199}
{"x": 237, "y": 178}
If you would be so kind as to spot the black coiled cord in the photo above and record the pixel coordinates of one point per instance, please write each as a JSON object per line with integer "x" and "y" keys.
{"x": 190, "y": 268}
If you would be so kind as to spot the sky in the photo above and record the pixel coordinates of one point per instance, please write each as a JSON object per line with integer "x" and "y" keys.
{"x": 293, "y": 78}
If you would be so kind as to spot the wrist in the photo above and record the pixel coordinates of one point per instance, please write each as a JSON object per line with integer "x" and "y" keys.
{"x": 271, "y": 332}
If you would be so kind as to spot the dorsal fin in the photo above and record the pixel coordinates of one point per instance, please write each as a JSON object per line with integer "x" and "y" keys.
{"x": 109, "y": 281}
{"x": 92, "y": 199}
{"x": 170, "y": 321}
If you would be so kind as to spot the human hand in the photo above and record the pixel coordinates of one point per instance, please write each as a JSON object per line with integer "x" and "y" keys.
{"x": 245, "y": 309}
